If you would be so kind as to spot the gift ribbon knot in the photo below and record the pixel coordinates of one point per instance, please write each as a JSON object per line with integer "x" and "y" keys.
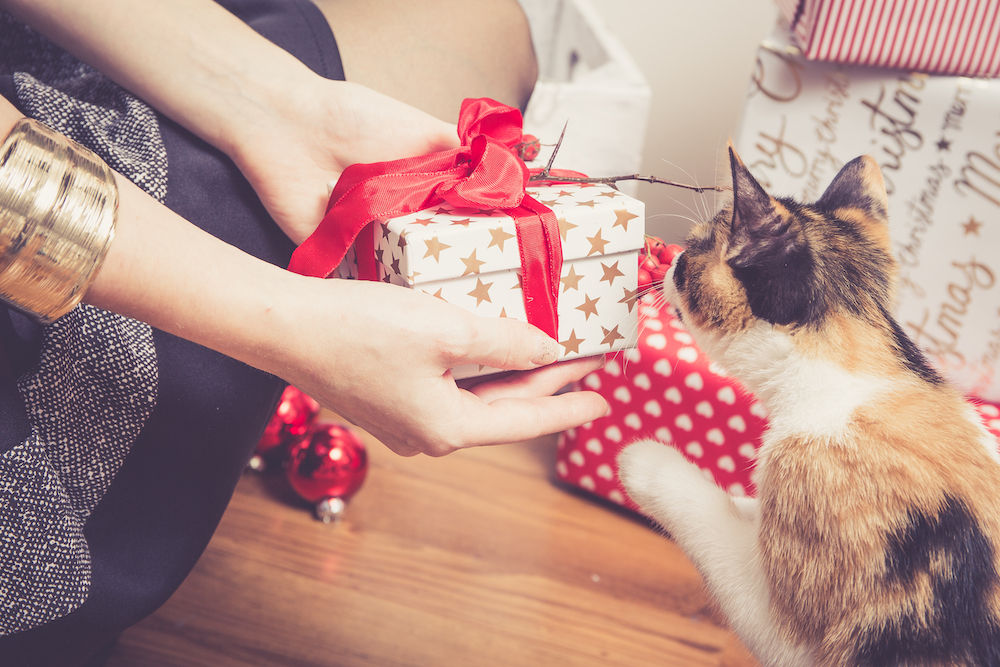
{"x": 485, "y": 172}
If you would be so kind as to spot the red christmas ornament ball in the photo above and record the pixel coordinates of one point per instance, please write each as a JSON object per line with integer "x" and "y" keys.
{"x": 529, "y": 147}
{"x": 291, "y": 420}
{"x": 327, "y": 468}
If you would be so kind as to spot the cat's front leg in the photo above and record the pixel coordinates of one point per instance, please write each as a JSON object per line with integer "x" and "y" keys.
{"x": 719, "y": 535}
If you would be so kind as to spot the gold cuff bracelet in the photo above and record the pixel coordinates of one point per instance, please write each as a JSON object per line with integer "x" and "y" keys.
{"x": 58, "y": 207}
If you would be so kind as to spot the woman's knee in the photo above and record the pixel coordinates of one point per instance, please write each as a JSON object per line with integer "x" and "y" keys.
{"x": 435, "y": 53}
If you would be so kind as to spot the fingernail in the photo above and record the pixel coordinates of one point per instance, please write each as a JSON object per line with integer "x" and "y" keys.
{"x": 546, "y": 351}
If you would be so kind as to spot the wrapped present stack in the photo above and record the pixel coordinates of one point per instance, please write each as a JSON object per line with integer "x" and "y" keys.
{"x": 838, "y": 79}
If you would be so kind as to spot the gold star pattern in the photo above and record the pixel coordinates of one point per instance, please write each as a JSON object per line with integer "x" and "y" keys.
{"x": 503, "y": 312}
{"x": 378, "y": 254}
{"x": 611, "y": 336}
{"x": 590, "y": 203}
{"x": 443, "y": 211}
{"x": 395, "y": 266}
{"x": 572, "y": 344}
{"x": 610, "y": 273}
{"x": 596, "y": 244}
{"x": 589, "y": 307}
{"x": 520, "y": 284}
{"x": 434, "y": 248}
{"x": 471, "y": 263}
{"x": 972, "y": 227}
{"x": 464, "y": 222}
{"x": 611, "y": 194}
{"x": 424, "y": 222}
{"x": 385, "y": 230}
{"x": 402, "y": 240}
{"x": 498, "y": 237}
{"x": 630, "y": 298}
{"x": 482, "y": 292}
{"x": 571, "y": 280}
{"x": 438, "y": 294}
{"x": 549, "y": 203}
{"x": 564, "y": 227}
{"x": 563, "y": 193}
{"x": 623, "y": 219}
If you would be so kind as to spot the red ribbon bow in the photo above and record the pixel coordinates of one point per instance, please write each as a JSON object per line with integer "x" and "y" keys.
{"x": 484, "y": 172}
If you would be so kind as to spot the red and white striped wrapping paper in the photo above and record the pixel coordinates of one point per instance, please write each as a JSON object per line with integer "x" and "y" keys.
{"x": 959, "y": 37}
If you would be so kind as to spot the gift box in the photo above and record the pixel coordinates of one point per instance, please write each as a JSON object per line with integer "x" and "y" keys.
{"x": 958, "y": 37}
{"x": 471, "y": 258}
{"x": 664, "y": 389}
{"x": 937, "y": 141}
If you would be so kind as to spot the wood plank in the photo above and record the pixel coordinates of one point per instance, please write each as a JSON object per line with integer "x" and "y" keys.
{"x": 477, "y": 558}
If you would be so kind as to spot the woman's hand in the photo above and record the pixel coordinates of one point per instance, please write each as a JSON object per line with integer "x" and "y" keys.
{"x": 379, "y": 355}
{"x": 293, "y": 156}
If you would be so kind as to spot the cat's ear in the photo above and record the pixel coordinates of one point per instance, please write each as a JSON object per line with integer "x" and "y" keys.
{"x": 859, "y": 185}
{"x": 761, "y": 233}
{"x": 751, "y": 205}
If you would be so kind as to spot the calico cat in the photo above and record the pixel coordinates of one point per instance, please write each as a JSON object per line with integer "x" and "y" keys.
{"x": 874, "y": 538}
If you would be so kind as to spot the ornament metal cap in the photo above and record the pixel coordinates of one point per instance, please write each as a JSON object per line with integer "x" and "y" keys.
{"x": 330, "y": 510}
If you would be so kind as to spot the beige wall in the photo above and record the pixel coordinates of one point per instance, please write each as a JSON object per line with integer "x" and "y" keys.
{"x": 698, "y": 56}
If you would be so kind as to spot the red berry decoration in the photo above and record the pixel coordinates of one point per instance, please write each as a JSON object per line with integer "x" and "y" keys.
{"x": 293, "y": 417}
{"x": 669, "y": 253}
{"x": 327, "y": 468}
{"x": 529, "y": 148}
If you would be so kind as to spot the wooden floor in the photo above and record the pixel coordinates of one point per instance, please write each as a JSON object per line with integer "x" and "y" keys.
{"x": 475, "y": 559}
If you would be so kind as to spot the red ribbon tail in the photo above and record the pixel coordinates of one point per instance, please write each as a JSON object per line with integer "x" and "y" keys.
{"x": 541, "y": 264}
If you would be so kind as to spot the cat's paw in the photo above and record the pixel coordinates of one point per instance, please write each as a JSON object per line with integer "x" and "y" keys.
{"x": 644, "y": 468}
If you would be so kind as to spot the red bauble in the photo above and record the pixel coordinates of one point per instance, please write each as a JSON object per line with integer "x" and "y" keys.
{"x": 529, "y": 148}
{"x": 291, "y": 420}
{"x": 669, "y": 253}
{"x": 327, "y": 468}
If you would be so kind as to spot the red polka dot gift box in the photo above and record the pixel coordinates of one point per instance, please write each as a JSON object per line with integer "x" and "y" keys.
{"x": 668, "y": 390}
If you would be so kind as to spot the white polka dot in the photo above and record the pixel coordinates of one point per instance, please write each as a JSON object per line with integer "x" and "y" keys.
{"x": 757, "y": 409}
{"x": 662, "y": 367}
{"x": 594, "y": 446}
{"x": 694, "y": 381}
{"x": 683, "y": 337}
{"x": 653, "y": 325}
{"x": 715, "y": 436}
{"x": 613, "y": 433}
{"x": 704, "y": 409}
{"x": 683, "y": 422}
{"x": 604, "y": 471}
{"x": 663, "y": 434}
{"x": 622, "y": 395}
{"x": 994, "y": 424}
{"x": 726, "y": 395}
{"x": 587, "y": 482}
{"x": 576, "y": 457}
{"x": 989, "y": 410}
{"x": 737, "y": 489}
{"x": 561, "y": 468}
{"x": 726, "y": 463}
{"x": 673, "y": 395}
{"x": 737, "y": 423}
{"x": 633, "y": 421}
{"x": 616, "y": 496}
{"x": 642, "y": 381}
{"x": 748, "y": 451}
{"x": 612, "y": 368}
{"x": 632, "y": 355}
{"x": 656, "y": 341}
{"x": 695, "y": 449}
{"x": 716, "y": 369}
{"x": 592, "y": 381}
{"x": 652, "y": 408}
{"x": 688, "y": 354}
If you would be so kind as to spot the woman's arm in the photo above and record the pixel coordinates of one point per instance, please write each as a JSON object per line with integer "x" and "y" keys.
{"x": 376, "y": 354}
{"x": 289, "y": 130}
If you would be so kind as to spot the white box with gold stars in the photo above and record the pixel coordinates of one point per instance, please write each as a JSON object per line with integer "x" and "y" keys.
{"x": 469, "y": 257}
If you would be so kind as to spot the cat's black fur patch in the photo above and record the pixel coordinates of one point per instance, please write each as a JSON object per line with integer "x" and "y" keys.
{"x": 912, "y": 356}
{"x": 961, "y": 629}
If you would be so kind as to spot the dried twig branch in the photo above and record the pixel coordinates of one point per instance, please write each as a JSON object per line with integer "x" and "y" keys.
{"x": 544, "y": 175}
